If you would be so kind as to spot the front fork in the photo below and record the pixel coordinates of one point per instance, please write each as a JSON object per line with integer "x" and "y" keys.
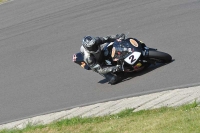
{"x": 145, "y": 54}
{"x": 146, "y": 50}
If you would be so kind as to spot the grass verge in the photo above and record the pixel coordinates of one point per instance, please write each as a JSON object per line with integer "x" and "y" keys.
{"x": 183, "y": 119}
{"x": 2, "y": 1}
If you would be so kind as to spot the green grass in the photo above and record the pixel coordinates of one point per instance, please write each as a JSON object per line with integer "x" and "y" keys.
{"x": 1, "y": 1}
{"x": 183, "y": 119}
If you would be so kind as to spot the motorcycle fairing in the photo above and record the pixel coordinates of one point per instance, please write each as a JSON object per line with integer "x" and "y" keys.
{"x": 128, "y": 49}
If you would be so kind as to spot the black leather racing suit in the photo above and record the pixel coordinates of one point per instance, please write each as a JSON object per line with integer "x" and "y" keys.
{"x": 95, "y": 60}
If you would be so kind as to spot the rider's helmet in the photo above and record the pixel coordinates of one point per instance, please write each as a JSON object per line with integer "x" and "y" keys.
{"x": 89, "y": 44}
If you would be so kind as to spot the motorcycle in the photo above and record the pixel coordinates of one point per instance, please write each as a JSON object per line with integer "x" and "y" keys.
{"x": 133, "y": 55}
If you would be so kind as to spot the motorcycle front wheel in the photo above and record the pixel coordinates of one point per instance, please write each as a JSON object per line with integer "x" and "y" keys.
{"x": 160, "y": 56}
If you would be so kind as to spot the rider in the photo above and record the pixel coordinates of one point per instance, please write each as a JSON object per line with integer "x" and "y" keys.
{"x": 92, "y": 50}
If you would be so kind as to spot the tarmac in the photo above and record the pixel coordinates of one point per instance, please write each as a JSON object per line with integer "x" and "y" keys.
{"x": 169, "y": 98}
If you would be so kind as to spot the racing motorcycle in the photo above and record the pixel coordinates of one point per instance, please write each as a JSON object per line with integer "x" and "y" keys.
{"x": 133, "y": 55}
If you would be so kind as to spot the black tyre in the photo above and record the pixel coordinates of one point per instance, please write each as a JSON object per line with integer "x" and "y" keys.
{"x": 160, "y": 56}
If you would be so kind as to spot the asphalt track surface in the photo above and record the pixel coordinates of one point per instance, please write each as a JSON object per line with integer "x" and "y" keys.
{"x": 38, "y": 39}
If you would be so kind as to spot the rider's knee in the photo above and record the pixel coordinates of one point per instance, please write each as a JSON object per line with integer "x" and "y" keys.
{"x": 115, "y": 80}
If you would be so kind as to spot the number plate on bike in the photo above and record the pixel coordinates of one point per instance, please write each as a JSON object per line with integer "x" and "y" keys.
{"x": 131, "y": 59}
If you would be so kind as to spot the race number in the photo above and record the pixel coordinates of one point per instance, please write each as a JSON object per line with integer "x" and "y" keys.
{"x": 131, "y": 59}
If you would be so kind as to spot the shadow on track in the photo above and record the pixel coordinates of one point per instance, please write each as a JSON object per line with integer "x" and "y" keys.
{"x": 128, "y": 76}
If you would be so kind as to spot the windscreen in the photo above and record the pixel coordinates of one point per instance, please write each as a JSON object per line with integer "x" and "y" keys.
{"x": 121, "y": 49}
